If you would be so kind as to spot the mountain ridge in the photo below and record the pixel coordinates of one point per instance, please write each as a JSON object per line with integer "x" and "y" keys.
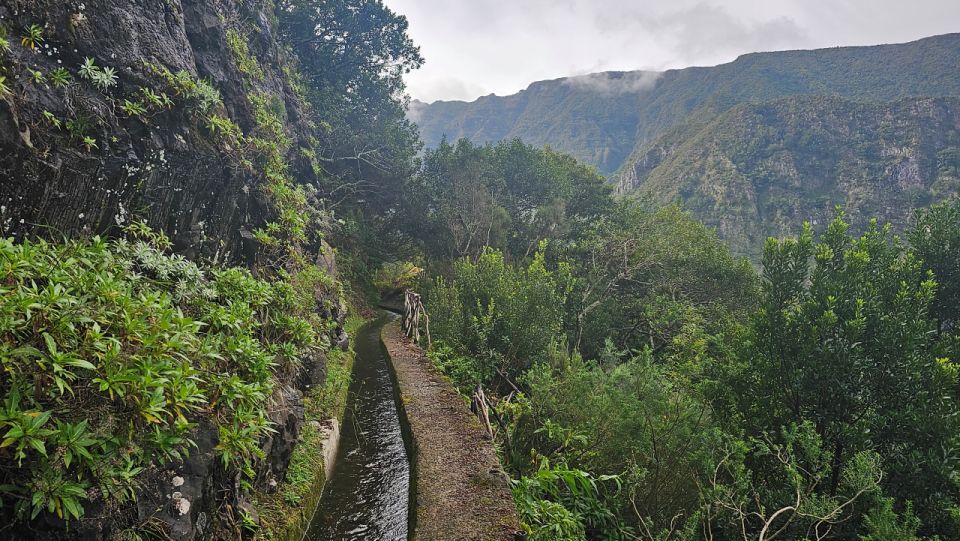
{"x": 608, "y": 130}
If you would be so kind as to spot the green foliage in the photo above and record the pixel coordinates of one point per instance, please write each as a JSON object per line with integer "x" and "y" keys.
{"x": 397, "y": 276}
{"x": 133, "y": 108}
{"x": 883, "y": 523}
{"x": 505, "y": 317}
{"x": 622, "y": 416}
{"x": 759, "y": 489}
{"x": 224, "y": 128}
{"x": 4, "y": 40}
{"x": 935, "y": 240}
{"x": 508, "y": 196}
{"x": 559, "y": 503}
{"x": 32, "y": 36}
{"x": 847, "y": 344}
{"x": 783, "y": 407}
{"x": 103, "y": 78}
{"x": 88, "y": 69}
{"x": 60, "y": 78}
{"x": 114, "y": 351}
{"x": 152, "y": 99}
{"x": 464, "y": 371}
{"x": 352, "y": 55}
{"x": 656, "y": 279}
{"x": 201, "y": 95}
{"x": 79, "y": 126}
{"x": 4, "y": 87}
{"x": 241, "y": 54}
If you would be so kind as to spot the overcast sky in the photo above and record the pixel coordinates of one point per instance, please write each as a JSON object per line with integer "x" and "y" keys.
{"x": 477, "y": 47}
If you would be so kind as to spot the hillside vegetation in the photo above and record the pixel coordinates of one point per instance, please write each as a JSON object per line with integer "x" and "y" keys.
{"x": 647, "y": 384}
{"x": 170, "y": 303}
{"x": 758, "y": 171}
{"x": 173, "y": 175}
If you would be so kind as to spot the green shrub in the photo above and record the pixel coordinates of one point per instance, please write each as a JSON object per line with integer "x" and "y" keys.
{"x": 558, "y": 503}
{"x": 113, "y": 351}
{"x": 505, "y": 316}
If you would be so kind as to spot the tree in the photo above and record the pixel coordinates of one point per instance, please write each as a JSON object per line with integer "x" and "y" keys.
{"x": 847, "y": 345}
{"x": 508, "y": 196}
{"x": 643, "y": 275}
{"x": 353, "y": 55}
{"x": 935, "y": 239}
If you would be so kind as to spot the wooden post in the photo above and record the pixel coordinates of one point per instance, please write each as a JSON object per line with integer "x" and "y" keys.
{"x": 412, "y": 310}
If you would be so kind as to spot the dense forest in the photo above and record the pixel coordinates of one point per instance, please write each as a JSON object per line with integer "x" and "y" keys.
{"x": 653, "y": 386}
{"x": 647, "y": 382}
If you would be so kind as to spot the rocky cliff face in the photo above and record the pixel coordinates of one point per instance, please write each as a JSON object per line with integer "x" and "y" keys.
{"x": 113, "y": 111}
{"x": 73, "y": 158}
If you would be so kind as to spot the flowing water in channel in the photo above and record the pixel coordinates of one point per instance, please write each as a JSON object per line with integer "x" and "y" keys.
{"x": 367, "y": 498}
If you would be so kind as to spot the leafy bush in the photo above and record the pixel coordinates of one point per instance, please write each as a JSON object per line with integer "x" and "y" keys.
{"x": 558, "y": 503}
{"x": 505, "y": 316}
{"x": 113, "y": 351}
{"x": 623, "y": 415}
{"x": 396, "y": 275}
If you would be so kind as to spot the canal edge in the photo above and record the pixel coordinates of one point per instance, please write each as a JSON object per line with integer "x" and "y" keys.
{"x": 406, "y": 432}
{"x": 458, "y": 488}
{"x": 316, "y": 452}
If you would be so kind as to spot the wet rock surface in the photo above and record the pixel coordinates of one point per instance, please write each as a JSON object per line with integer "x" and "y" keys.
{"x": 165, "y": 166}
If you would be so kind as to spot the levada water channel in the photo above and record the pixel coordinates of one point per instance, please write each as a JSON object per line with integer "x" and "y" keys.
{"x": 368, "y": 496}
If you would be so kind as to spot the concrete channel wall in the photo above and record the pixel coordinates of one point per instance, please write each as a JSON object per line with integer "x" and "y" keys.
{"x": 461, "y": 492}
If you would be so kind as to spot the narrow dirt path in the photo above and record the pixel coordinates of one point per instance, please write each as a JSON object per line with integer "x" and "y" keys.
{"x": 461, "y": 492}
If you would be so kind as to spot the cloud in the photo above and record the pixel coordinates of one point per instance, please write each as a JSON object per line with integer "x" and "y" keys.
{"x": 475, "y": 47}
{"x": 415, "y": 109}
{"x": 439, "y": 87}
{"x": 709, "y": 33}
{"x": 615, "y": 82}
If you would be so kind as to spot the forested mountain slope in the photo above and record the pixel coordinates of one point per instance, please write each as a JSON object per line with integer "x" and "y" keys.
{"x": 760, "y": 170}
{"x": 603, "y": 118}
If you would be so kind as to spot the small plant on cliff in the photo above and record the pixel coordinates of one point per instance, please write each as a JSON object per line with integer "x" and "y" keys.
{"x": 224, "y": 128}
{"x": 132, "y": 108}
{"x": 89, "y": 143}
{"x": 4, "y": 41}
{"x": 153, "y": 99}
{"x": 241, "y": 54}
{"x": 32, "y": 36}
{"x": 4, "y": 89}
{"x": 88, "y": 69}
{"x": 52, "y": 119}
{"x": 203, "y": 95}
{"x": 79, "y": 126}
{"x": 37, "y": 76}
{"x": 59, "y": 78}
{"x": 105, "y": 78}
